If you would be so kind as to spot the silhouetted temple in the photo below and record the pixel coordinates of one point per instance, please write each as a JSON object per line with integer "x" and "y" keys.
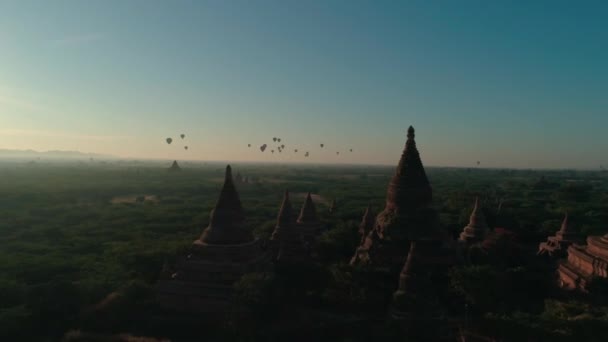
{"x": 287, "y": 240}
{"x": 415, "y": 287}
{"x": 332, "y": 207}
{"x": 584, "y": 263}
{"x": 407, "y": 215}
{"x": 308, "y": 222}
{"x": 203, "y": 281}
{"x": 367, "y": 223}
{"x": 174, "y": 166}
{"x": 557, "y": 245}
{"x": 477, "y": 228}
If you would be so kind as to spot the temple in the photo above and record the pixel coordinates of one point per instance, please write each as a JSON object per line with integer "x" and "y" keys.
{"x": 226, "y": 250}
{"x": 287, "y": 240}
{"x": 413, "y": 283}
{"x": 332, "y": 207}
{"x": 308, "y": 223}
{"x": 584, "y": 264}
{"x": 407, "y": 215}
{"x": 367, "y": 223}
{"x": 477, "y": 228}
{"x": 557, "y": 245}
{"x": 174, "y": 166}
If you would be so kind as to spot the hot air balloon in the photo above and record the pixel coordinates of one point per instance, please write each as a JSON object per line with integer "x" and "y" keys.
{"x": 478, "y": 162}
{"x": 182, "y": 135}
{"x": 274, "y": 139}
{"x": 263, "y": 148}
{"x": 169, "y": 141}
{"x": 278, "y": 139}
{"x": 272, "y": 151}
{"x": 351, "y": 149}
{"x": 296, "y": 150}
{"x": 185, "y": 147}
{"x": 248, "y": 145}
{"x": 282, "y": 146}
{"x": 337, "y": 152}
{"x": 322, "y": 145}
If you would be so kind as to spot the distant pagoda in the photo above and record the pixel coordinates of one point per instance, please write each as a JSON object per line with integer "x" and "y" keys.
{"x": 407, "y": 215}
{"x": 477, "y": 228}
{"x": 308, "y": 222}
{"x": 367, "y": 223}
{"x": 287, "y": 240}
{"x": 226, "y": 250}
{"x": 557, "y": 245}
{"x": 332, "y": 206}
{"x": 175, "y": 166}
{"x": 584, "y": 264}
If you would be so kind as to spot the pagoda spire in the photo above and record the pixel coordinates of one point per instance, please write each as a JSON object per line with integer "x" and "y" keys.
{"x": 367, "y": 223}
{"x": 308, "y": 213}
{"x": 564, "y": 228}
{"x": 409, "y": 188}
{"x": 284, "y": 218}
{"x": 477, "y": 227}
{"x": 226, "y": 224}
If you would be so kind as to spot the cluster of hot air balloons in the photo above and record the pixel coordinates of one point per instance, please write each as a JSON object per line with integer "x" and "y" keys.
{"x": 169, "y": 140}
{"x": 281, "y": 147}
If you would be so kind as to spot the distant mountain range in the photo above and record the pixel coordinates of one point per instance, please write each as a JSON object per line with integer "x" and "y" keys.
{"x": 28, "y": 154}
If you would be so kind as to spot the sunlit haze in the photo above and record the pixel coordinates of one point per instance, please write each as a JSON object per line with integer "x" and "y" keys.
{"x": 521, "y": 86}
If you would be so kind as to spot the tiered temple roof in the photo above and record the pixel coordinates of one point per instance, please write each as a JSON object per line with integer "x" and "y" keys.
{"x": 477, "y": 228}
{"x": 407, "y": 215}
{"x": 557, "y": 245}
{"x": 584, "y": 263}
{"x": 288, "y": 243}
{"x": 226, "y": 250}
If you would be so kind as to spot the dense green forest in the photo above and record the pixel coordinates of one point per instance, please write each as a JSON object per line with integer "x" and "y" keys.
{"x": 82, "y": 245}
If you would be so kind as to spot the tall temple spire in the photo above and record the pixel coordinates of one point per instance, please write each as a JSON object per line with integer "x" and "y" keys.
{"x": 367, "y": 222}
{"x": 564, "y": 228}
{"x": 409, "y": 188}
{"x": 477, "y": 227}
{"x": 308, "y": 212}
{"x": 284, "y": 218}
{"x": 226, "y": 224}
{"x": 174, "y": 166}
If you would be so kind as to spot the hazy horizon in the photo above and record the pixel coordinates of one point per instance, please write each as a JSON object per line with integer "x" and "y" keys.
{"x": 518, "y": 85}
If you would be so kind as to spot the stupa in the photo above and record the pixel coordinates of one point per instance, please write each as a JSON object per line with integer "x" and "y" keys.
{"x": 477, "y": 228}
{"x": 332, "y": 207}
{"x": 308, "y": 223}
{"x": 557, "y": 245}
{"x": 367, "y": 223}
{"x": 584, "y": 263}
{"x": 287, "y": 240}
{"x": 203, "y": 281}
{"x": 174, "y": 166}
{"x": 407, "y": 215}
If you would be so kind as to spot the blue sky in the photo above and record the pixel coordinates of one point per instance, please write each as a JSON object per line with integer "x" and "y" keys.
{"x": 512, "y": 84}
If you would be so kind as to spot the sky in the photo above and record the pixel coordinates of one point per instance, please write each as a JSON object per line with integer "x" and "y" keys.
{"x": 520, "y": 84}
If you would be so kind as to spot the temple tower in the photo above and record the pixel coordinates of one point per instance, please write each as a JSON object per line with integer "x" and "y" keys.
{"x": 367, "y": 223}
{"x": 407, "y": 215}
{"x": 287, "y": 240}
{"x": 557, "y": 245}
{"x": 308, "y": 222}
{"x": 332, "y": 207}
{"x": 174, "y": 166}
{"x": 203, "y": 281}
{"x": 477, "y": 228}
